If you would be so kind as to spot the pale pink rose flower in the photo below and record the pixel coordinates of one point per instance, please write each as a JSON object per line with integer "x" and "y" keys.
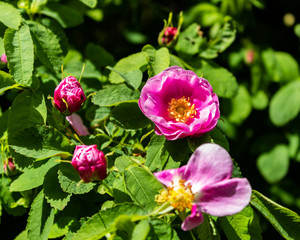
{"x": 204, "y": 185}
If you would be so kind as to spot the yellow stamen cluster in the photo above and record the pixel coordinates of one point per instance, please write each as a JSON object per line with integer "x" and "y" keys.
{"x": 180, "y": 196}
{"x": 181, "y": 109}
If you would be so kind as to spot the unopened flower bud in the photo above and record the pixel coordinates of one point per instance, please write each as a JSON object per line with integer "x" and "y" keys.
{"x": 3, "y": 58}
{"x": 89, "y": 162}
{"x": 69, "y": 96}
{"x": 9, "y": 167}
{"x": 169, "y": 35}
{"x": 249, "y": 56}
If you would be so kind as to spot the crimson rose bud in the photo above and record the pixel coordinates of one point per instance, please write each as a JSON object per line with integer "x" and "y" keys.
{"x": 69, "y": 96}
{"x": 169, "y": 35}
{"x": 9, "y": 167}
{"x": 89, "y": 162}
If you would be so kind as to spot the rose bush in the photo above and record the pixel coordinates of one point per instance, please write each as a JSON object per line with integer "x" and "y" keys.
{"x": 140, "y": 146}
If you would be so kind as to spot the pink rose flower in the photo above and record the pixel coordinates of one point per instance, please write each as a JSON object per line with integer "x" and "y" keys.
{"x": 69, "y": 96}
{"x": 89, "y": 162}
{"x": 169, "y": 35}
{"x": 3, "y": 58}
{"x": 179, "y": 103}
{"x": 204, "y": 185}
{"x": 77, "y": 124}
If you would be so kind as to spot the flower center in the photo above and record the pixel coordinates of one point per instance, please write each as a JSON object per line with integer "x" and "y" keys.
{"x": 181, "y": 109}
{"x": 180, "y": 196}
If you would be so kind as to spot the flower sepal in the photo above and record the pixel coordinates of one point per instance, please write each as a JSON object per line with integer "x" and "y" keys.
{"x": 164, "y": 208}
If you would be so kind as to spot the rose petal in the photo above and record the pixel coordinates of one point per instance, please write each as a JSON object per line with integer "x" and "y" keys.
{"x": 192, "y": 221}
{"x": 166, "y": 176}
{"x": 77, "y": 124}
{"x": 209, "y": 164}
{"x": 226, "y": 197}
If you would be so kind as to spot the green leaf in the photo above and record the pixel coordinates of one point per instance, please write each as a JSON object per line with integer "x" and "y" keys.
{"x": 37, "y": 5}
{"x": 189, "y": 41}
{"x": 28, "y": 109}
{"x": 6, "y": 82}
{"x": 162, "y": 230}
{"x": 9, "y": 200}
{"x": 158, "y": 60}
{"x": 153, "y": 157}
{"x": 90, "y": 3}
{"x": 141, "y": 231}
{"x": 65, "y": 15}
{"x": 99, "y": 56}
{"x": 260, "y": 100}
{"x": 9, "y": 15}
{"x": 285, "y": 221}
{"x": 133, "y": 78}
{"x": 47, "y": 46}
{"x": 22, "y": 236}
{"x": 62, "y": 226}
{"x": 41, "y": 142}
{"x": 285, "y": 104}
{"x": 137, "y": 181}
{"x": 3, "y": 123}
{"x": 207, "y": 230}
{"x": 55, "y": 196}
{"x": 225, "y": 37}
{"x": 40, "y": 219}
{"x": 206, "y": 14}
{"x": 240, "y": 106}
{"x": 56, "y": 28}
{"x": 97, "y": 114}
{"x": 127, "y": 64}
{"x": 74, "y": 68}
{"x": 70, "y": 181}
{"x": 21, "y": 162}
{"x": 243, "y": 225}
{"x": 129, "y": 116}
{"x": 274, "y": 165}
{"x": 178, "y": 149}
{"x": 286, "y": 67}
{"x": 219, "y": 138}
{"x": 33, "y": 176}
{"x": 120, "y": 192}
{"x": 114, "y": 94}
{"x": 103, "y": 222}
{"x": 223, "y": 82}
{"x": 19, "y": 51}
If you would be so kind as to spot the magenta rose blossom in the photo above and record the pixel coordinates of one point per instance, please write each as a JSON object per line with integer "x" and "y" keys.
{"x": 89, "y": 162}
{"x": 179, "y": 103}
{"x": 69, "y": 96}
{"x": 3, "y": 58}
{"x": 204, "y": 185}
